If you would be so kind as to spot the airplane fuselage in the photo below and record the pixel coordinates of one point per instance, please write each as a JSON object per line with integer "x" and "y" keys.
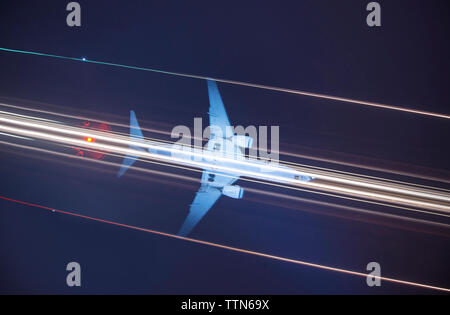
{"x": 232, "y": 162}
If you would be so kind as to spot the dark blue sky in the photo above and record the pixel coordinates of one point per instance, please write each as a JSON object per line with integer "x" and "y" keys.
{"x": 318, "y": 46}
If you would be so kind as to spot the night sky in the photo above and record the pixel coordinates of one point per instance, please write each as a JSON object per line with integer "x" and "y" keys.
{"x": 318, "y": 46}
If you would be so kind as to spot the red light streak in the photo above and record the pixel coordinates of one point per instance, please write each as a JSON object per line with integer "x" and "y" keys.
{"x": 234, "y": 249}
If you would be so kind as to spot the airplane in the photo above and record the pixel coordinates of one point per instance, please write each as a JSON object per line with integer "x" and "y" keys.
{"x": 215, "y": 182}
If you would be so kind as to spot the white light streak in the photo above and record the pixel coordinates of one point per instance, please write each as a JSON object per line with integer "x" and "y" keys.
{"x": 238, "y": 167}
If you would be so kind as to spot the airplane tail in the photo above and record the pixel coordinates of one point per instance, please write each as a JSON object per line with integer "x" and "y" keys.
{"x": 135, "y": 134}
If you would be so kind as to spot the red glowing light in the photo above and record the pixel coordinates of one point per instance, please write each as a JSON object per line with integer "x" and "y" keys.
{"x": 92, "y": 154}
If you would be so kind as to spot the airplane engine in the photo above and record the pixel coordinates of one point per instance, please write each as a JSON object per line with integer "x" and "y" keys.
{"x": 233, "y": 191}
{"x": 243, "y": 141}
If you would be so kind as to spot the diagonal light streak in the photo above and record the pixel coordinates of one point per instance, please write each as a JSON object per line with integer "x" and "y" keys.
{"x": 234, "y": 249}
{"x": 247, "y": 84}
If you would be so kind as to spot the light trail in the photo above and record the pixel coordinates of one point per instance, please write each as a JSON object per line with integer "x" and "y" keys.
{"x": 429, "y": 227}
{"x": 25, "y": 116}
{"x": 439, "y": 197}
{"x": 368, "y": 167}
{"x": 234, "y": 82}
{"x": 78, "y": 117}
{"x": 154, "y": 172}
{"x": 234, "y": 249}
{"x": 14, "y": 136}
{"x": 352, "y": 209}
{"x": 256, "y": 191}
{"x": 233, "y": 170}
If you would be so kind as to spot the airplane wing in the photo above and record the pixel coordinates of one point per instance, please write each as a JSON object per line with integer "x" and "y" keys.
{"x": 209, "y": 192}
{"x": 212, "y": 182}
{"x": 217, "y": 115}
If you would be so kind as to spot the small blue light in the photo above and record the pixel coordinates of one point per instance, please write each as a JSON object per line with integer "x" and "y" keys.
{"x": 84, "y": 59}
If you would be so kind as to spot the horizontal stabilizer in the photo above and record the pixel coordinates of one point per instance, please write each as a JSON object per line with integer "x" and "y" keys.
{"x": 135, "y": 134}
